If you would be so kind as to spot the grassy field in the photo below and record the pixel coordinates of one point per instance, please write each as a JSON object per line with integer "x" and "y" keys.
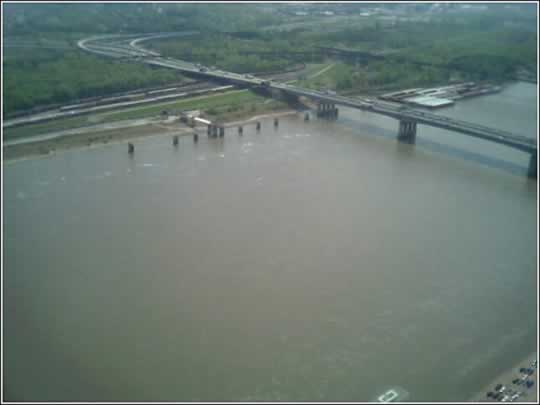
{"x": 205, "y": 103}
{"x": 45, "y": 127}
{"x": 217, "y": 106}
{"x": 42, "y": 64}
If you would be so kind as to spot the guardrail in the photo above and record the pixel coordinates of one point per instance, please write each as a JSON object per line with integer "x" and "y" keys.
{"x": 469, "y": 128}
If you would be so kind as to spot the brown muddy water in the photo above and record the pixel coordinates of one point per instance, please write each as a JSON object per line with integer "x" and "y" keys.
{"x": 320, "y": 261}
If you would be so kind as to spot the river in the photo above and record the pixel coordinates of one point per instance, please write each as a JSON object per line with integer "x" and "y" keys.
{"x": 319, "y": 261}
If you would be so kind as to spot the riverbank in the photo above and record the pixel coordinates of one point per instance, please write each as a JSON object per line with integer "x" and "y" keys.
{"x": 129, "y": 129}
{"x": 441, "y": 96}
{"x": 506, "y": 378}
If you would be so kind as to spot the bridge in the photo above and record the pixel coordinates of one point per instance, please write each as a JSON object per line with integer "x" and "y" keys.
{"x": 129, "y": 46}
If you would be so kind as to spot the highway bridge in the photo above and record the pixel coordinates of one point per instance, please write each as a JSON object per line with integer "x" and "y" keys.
{"x": 129, "y": 46}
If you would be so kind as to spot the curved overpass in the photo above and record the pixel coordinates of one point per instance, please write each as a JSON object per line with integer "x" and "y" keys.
{"x": 112, "y": 45}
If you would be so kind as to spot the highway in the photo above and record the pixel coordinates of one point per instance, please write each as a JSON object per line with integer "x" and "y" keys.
{"x": 420, "y": 117}
{"x": 128, "y": 46}
{"x": 121, "y": 47}
{"x": 85, "y": 109}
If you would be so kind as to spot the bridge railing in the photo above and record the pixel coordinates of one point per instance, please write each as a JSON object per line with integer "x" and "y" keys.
{"x": 474, "y": 126}
{"x": 395, "y": 112}
{"x": 446, "y": 121}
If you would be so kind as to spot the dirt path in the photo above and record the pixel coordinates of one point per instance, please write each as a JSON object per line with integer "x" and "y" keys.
{"x": 102, "y": 134}
{"x": 88, "y": 130}
{"x": 320, "y": 72}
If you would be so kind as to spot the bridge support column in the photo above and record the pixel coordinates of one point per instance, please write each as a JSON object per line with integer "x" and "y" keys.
{"x": 407, "y": 131}
{"x": 533, "y": 169}
{"x": 334, "y": 111}
{"x": 321, "y": 109}
{"x": 327, "y": 110}
{"x": 221, "y": 132}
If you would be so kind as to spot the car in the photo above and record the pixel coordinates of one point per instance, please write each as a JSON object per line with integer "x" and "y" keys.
{"x": 529, "y": 383}
{"x": 499, "y": 388}
{"x": 490, "y": 394}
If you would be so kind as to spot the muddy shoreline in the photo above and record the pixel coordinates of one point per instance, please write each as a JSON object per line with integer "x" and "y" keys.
{"x": 75, "y": 140}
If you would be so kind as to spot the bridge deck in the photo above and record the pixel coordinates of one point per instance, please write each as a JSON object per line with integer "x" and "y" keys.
{"x": 110, "y": 48}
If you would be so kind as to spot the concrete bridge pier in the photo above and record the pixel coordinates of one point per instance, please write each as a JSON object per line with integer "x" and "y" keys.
{"x": 407, "y": 131}
{"x": 333, "y": 111}
{"x": 320, "y": 109}
{"x": 533, "y": 169}
{"x": 213, "y": 131}
{"x": 327, "y": 110}
{"x": 221, "y": 132}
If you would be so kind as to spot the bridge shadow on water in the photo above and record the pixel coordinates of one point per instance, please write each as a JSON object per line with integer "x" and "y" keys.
{"x": 367, "y": 130}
